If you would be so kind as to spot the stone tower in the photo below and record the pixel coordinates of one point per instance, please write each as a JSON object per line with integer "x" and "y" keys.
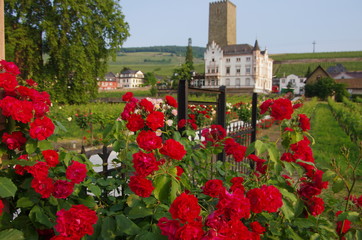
{"x": 222, "y": 23}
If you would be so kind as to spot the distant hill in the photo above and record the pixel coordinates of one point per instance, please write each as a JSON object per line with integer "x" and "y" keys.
{"x": 162, "y": 60}
{"x": 198, "y": 52}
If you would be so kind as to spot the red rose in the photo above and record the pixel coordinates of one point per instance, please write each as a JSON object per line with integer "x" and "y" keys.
{"x": 40, "y": 109}
{"x": 281, "y": 109}
{"x": 185, "y": 208}
{"x": 141, "y": 186}
{"x": 189, "y": 231}
{"x": 315, "y": 206}
{"x": 155, "y": 120}
{"x": 264, "y": 107}
{"x": 146, "y": 105}
{"x": 51, "y": 157}
{"x": 180, "y": 171}
{"x": 8, "y": 81}
{"x": 346, "y": 224}
{"x": 273, "y": 198}
{"x": 173, "y": 149}
{"x": 63, "y": 189}
{"x": 15, "y": 140}
{"x": 144, "y": 163}
{"x": 31, "y": 83}
{"x": 21, "y": 170}
{"x": 257, "y": 200}
{"x": 234, "y": 205}
{"x": 39, "y": 170}
{"x": 213, "y": 135}
{"x": 257, "y": 227}
{"x": 9, "y": 67}
{"x": 237, "y": 184}
{"x": 127, "y": 96}
{"x": 304, "y": 122}
{"x": 213, "y": 188}
{"x": 76, "y": 172}
{"x": 148, "y": 140}
{"x": 235, "y": 149}
{"x": 168, "y": 227}
{"x": 171, "y": 101}
{"x": 76, "y": 222}
{"x": 41, "y": 128}
{"x": 43, "y": 186}
{"x": 1, "y": 207}
{"x": 135, "y": 122}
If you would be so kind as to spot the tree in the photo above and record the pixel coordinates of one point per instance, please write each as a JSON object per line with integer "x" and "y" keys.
{"x": 151, "y": 80}
{"x": 324, "y": 88}
{"x": 65, "y": 45}
{"x": 189, "y": 59}
{"x": 340, "y": 92}
{"x": 182, "y": 73}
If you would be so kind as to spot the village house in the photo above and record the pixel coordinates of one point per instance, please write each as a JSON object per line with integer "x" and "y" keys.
{"x": 109, "y": 82}
{"x": 130, "y": 79}
{"x": 294, "y": 82}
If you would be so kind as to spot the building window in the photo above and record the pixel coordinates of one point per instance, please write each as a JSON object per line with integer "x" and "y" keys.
{"x": 248, "y": 59}
{"x": 227, "y": 70}
{"x": 213, "y": 60}
{"x": 217, "y": 70}
{"x": 292, "y": 80}
{"x": 238, "y": 70}
{"x": 247, "y": 82}
{"x": 212, "y": 70}
{"x": 247, "y": 70}
{"x": 228, "y": 60}
{"x": 227, "y": 82}
{"x": 237, "y": 82}
{"x": 238, "y": 59}
{"x": 283, "y": 80}
{"x": 301, "y": 80}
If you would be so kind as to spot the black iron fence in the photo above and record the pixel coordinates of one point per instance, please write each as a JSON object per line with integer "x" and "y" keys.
{"x": 243, "y": 132}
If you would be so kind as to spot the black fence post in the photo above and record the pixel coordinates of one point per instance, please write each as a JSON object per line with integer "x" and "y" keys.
{"x": 182, "y": 94}
{"x": 254, "y": 116}
{"x": 221, "y": 115}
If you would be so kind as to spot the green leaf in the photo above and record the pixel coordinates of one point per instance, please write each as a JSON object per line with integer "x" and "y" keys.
{"x": 37, "y": 215}
{"x": 176, "y": 136}
{"x": 94, "y": 189}
{"x": 175, "y": 189}
{"x": 293, "y": 235}
{"x": 273, "y": 152}
{"x": 288, "y": 194}
{"x": 60, "y": 125}
{"x": 338, "y": 185}
{"x": 126, "y": 226}
{"x": 45, "y": 145}
{"x": 260, "y": 147}
{"x": 151, "y": 236}
{"x": 162, "y": 184}
{"x": 7, "y": 187}
{"x": 303, "y": 223}
{"x": 139, "y": 212}
{"x": 108, "y": 228}
{"x": 328, "y": 175}
{"x": 315, "y": 236}
{"x": 287, "y": 210}
{"x": 31, "y": 146}
{"x": 305, "y": 162}
{"x": 24, "y": 202}
{"x": 352, "y": 216}
{"x": 11, "y": 234}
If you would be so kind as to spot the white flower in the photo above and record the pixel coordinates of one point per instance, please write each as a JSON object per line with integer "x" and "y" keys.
{"x": 169, "y": 122}
{"x": 158, "y": 132}
{"x": 157, "y": 106}
{"x": 69, "y": 119}
{"x": 174, "y": 112}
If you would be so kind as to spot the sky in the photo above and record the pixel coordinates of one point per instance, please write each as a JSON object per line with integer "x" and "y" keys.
{"x": 281, "y": 26}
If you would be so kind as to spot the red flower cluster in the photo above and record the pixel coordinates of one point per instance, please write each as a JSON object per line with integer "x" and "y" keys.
{"x": 186, "y": 225}
{"x": 141, "y": 186}
{"x": 266, "y": 198}
{"x": 213, "y": 188}
{"x": 148, "y": 140}
{"x": 189, "y": 122}
{"x": 173, "y": 149}
{"x": 75, "y": 222}
{"x": 304, "y": 122}
{"x": 144, "y": 163}
{"x": 171, "y": 101}
{"x": 235, "y": 149}
{"x": 76, "y": 172}
{"x": 1, "y": 207}
{"x": 15, "y": 140}
{"x": 279, "y": 109}
{"x": 342, "y": 226}
{"x": 213, "y": 135}
{"x": 261, "y": 167}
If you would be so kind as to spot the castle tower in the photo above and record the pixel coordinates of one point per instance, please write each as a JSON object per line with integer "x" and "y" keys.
{"x": 222, "y": 23}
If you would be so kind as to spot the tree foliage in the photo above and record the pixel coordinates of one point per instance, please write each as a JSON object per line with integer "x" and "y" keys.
{"x": 189, "y": 59}
{"x": 65, "y": 45}
{"x": 182, "y": 73}
{"x": 325, "y": 87}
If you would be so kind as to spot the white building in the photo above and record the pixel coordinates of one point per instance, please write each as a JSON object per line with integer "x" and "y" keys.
{"x": 293, "y": 82}
{"x": 130, "y": 79}
{"x": 238, "y": 66}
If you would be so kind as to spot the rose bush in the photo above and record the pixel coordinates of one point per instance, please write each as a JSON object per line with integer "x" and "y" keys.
{"x": 165, "y": 184}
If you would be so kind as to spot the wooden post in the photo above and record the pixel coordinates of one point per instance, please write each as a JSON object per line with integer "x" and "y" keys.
{"x": 2, "y": 31}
